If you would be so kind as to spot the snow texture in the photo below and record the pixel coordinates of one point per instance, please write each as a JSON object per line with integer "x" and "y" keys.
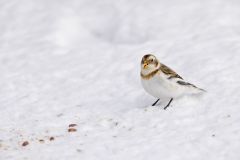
{"x": 78, "y": 62}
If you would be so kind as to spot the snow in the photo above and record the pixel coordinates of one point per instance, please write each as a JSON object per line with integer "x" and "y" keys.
{"x": 78, "y": 62}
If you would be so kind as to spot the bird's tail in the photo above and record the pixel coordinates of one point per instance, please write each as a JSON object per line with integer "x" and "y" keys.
{"x": 192, "y": 88}
{"x": 199, "y": 90}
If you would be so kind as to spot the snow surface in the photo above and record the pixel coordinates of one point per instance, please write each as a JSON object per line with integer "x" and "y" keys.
{"x": 77, "y": 61}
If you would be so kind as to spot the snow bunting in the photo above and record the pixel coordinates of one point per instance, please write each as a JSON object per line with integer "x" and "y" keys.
{"x": 162, "y": 82}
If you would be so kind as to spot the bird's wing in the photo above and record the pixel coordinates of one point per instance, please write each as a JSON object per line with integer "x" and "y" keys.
{"x": 189, "y": 84}
{"x": 168, "y": 71}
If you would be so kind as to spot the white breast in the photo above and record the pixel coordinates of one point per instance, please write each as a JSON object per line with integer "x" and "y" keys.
{"x": 161, "y": 87}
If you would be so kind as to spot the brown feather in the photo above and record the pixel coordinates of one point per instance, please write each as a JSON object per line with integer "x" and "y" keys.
{"x": 150, "y": 75}
{"x": 168, "y": 71}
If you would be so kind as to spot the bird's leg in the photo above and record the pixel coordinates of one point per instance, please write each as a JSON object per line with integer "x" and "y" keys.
{"x": 155, "y": 102}
{"x": 168, "y": 104}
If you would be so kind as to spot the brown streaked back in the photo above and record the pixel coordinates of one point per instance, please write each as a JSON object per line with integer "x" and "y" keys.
{"x": 168, "y": 71}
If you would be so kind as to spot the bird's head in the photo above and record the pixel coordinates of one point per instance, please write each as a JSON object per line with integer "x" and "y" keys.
{"x": 149, "y": 63}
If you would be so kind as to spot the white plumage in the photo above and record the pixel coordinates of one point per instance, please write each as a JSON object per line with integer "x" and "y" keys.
{"x": 162, "y": 82}
{"x": 159, "y": 86}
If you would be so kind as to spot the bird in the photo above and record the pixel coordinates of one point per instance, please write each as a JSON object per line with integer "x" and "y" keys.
{"x": 162, "y": 82}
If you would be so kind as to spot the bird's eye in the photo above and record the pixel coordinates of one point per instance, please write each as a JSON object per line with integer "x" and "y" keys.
{"x": 151, "y": 60}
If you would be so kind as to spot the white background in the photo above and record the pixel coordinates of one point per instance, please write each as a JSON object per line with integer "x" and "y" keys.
{"x": 78, "y": 61}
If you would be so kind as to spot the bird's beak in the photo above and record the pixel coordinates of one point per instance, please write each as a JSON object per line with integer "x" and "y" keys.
{"x": 145, "y": 65}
